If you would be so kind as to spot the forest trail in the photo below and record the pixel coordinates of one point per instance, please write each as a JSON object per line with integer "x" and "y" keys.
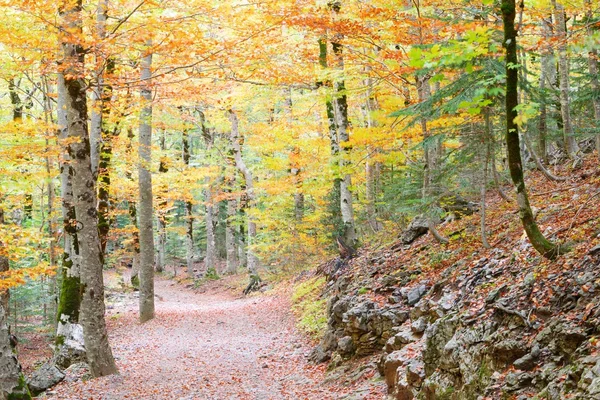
{"x": 211, "y": 345}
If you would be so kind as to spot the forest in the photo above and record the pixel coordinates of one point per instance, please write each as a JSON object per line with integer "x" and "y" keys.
{"x": 300, "y": 199}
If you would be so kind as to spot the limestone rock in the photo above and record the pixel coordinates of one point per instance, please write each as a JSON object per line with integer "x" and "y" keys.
{"x": 44, "y": 378}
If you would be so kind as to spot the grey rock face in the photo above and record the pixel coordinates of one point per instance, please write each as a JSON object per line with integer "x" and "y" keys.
{"x": 44, "y": 378}
{"x": 415, "y": 294}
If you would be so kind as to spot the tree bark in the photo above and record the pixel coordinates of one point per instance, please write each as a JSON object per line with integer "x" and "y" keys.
{"x": 340, "y": 105}
{"x": 12, "y": 384}
{"x": 189, "y": 215}
{"x": 537, "y": 239}
{"x": 484, "y": 178}
{"x": 547, "y": 80}
{"x": 230, "y": 240}
{"x": 253, "y": 261}
{"x": 161, "y": 212}
{"x": 145, "y": 199}
{"x": 593, "y": 68}
{"x": 334, "y": 205}
{"x": 70, "y": 293}
{"x": 99, "y": 354}
{"x": 563, "y": 67}
{"x": 210, "y": 260}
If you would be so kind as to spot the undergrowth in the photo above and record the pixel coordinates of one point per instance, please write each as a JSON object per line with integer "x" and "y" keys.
{"x": 309, "y": 307}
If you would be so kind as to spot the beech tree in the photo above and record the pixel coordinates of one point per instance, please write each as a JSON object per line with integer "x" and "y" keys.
{"x": 145, "y": 193}
{"x": 99, "y": 354}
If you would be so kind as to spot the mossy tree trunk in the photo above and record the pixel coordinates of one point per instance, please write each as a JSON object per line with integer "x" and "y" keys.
{"x": 340, "y": 105}
{"x": 99, "y": 354}
{"x": 70, "y": 293}
{"x": 537, "y": 239}
{"x": 334, "y": 205}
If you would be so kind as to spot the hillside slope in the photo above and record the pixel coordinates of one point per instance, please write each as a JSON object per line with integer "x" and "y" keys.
{"x": 458, "y": 321}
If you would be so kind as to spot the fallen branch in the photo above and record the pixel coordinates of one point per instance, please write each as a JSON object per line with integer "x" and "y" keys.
{"x": 539, "y": 164}
{"x": 555, "y": 191}
{"x": 436, "y": 234}
{"x": 581, "y": 208}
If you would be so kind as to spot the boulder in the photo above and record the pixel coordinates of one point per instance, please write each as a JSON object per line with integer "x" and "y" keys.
{"x": 72, "y": 349}
{"x": 417, "y": 228}
{"x": 44, "y": 378}
{"x": 346, "y": 346}
{"x": 415, "y": 294}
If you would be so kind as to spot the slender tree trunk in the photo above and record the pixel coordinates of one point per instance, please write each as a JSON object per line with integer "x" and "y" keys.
{"x": 145, "y": 200}
{"x": 4, "y": 267}
{"x": 547, "y": 79}
{"x": 99, "y": 354}
{"x": 593, "y": 68}
{"x": 241, "y": 236}
{"x": 429, "y": 153}
{"x": 210, "y": 260}
{"x": 537, "y": 239}
{"x": 335, "y": 204}
{"x": 340, "y": 105}
{"x": 563, "y": 67}
{"x": 161, "y": 212}
{"x": 253, "y": 261}
{"x": 230, "y": 239}
{"x": 484, "y": 178}
{"x": 134, "y": 246}
{"x": 371, "y": 168}
{"x": 189, "y": 215}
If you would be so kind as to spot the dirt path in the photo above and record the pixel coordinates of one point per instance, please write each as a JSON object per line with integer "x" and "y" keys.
{"x": 204, "y": 346}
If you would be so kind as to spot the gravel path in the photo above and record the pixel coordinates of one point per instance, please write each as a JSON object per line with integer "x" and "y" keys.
{"x": 204, "y": 346}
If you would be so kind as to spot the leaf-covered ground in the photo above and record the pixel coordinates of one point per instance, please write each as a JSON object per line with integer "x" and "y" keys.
{"x": 207, "y": 346}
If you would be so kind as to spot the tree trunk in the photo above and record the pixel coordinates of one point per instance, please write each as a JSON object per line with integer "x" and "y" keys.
{"x": 593, "y": 68}
{"x": 253, "y": 261}
{"x": 4, "y": 267}
{"x": 484, "y": 178}
{"x": 145, "y": 199}
{"x": 547, "y": 79}
{"x": 563, "y": 67}
{"x": 230, "y": 240}
{"x": 537, "y": 239}
{"x": 429, "y": 151}
{"x": 210, "y": 260}
{"x": 241, "y": 237}
{"x": 161, "y": 212}
{"x": 340, "y": 105}
{"x": 12, "y": 382}
{"x": 334, "y": 205}
{"x": 99, "y": 354}
{"x": 70, "y": 293}
{"x": 189, "y": 215}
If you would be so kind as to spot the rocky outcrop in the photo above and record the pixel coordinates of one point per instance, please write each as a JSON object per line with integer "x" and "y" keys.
{"x": 485, "y": 328}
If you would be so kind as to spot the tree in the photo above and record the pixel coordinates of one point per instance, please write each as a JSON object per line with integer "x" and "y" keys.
{"x": 99, "y": 354}
{"x": 513, "y": 147}
{"x": 145, "y": 193}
